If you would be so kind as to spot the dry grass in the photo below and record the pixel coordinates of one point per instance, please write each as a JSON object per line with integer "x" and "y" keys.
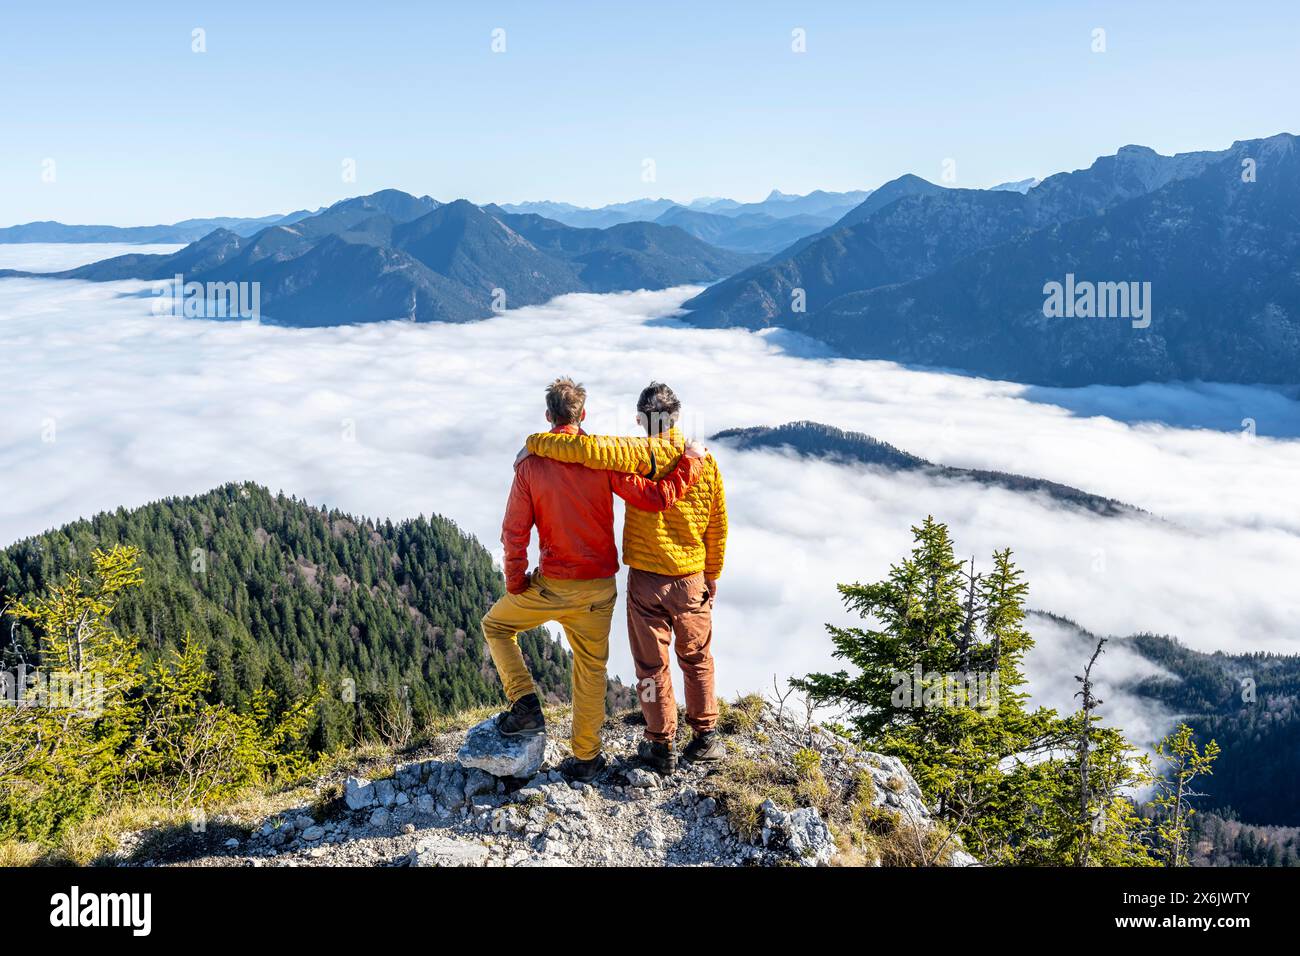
{"x": 165, "y": 825}
{"x": 460, "y": 722}
{"x": 741, "y": 715}
{"x": 865, "y": 835}
{"x": 18, "y": 853}
{"x": 741, "y": 784}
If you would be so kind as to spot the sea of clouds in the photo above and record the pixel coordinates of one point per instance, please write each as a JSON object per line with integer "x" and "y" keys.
{"x": 107, "y": 405}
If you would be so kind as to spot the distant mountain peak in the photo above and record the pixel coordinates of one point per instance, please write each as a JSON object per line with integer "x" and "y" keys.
{"x": 393, "y": 256}
{"x": 1015, "y": 186}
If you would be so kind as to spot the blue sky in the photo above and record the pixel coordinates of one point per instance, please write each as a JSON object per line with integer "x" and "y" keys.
{"x": 142, "y": 130}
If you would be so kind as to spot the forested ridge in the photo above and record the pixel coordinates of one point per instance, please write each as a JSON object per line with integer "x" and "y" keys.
{"x": 285, "y": 596}
{"x": 1250, "y": 704}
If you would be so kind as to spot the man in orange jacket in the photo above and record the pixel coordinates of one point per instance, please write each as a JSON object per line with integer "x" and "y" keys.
{"x": 675, "y": 555}
{"x": 573, "y": 511}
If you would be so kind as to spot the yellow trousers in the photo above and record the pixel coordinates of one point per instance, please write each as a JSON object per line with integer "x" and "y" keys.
{"x": 584, "y": 609}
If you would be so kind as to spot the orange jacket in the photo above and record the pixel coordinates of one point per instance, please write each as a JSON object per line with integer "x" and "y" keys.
{"x": 574, "y": 514}
{"x": 682, "y": 539}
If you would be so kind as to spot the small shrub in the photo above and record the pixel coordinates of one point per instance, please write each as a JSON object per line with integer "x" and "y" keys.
{"x": 807, "y": 762}
{"x": 741, "y": 715}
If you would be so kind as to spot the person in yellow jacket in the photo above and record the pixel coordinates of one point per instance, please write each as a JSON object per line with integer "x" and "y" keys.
{"x": 675, "y": 559}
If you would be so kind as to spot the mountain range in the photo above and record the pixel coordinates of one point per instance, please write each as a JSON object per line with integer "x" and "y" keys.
{"x": 1175, "y": 267}
{"x": 958, "y": 278}
{"x": 187, "y": 230}
{"x": 391, "y": 255}
{"x": 766, "y": 226}
{"x": 815, "y": 440}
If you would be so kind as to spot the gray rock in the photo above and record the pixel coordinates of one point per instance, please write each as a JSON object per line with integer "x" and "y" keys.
{"x": 533, "y": 791}
{"x": 894, "y": 784}
{"x": 553, "y": 756}
{"x": 408, "y": 776}
{"x": 358, "y": 793}
{"x": 313, "y": 833}
{"x": 450, "y": 795}
{"x": 501, "y": 756}
{"x": 541, "y": 861}
{"x": 562, "y": 795}
{"x": 651, "y": 838}
{"x": 478, "y": 782}
{"x": 642, "y": 779}
{"x": 552, "y": 847}
{"x": 801, "y": 833}
{"x": 385, "y": 793}
{"x": 447, "y": 852}
{"x": 379, "y": 818}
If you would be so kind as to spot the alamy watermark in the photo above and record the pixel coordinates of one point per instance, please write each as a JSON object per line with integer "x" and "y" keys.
{"x": 75, "y": 908}
{"x": 971, "y": 689}
{"x": 1084, "y": 299}
{"x": 62, "y": 690}
{"x": 208, "y": 300}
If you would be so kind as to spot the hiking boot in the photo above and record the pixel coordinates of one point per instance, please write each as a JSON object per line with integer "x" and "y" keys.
{"x": 705, "y": 747}
{"x": 659, "y": 756}
{"x": 523, "y": 719}
{"x": 583, "y": 771}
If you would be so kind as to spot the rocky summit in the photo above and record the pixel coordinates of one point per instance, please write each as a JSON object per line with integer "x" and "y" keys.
{"x": 788, "y": 792}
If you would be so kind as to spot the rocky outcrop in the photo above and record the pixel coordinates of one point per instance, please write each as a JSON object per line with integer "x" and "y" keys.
{"x": 510, "y": 807}
{"x": 487, "y": 749}
{"x": 802, "y": 832}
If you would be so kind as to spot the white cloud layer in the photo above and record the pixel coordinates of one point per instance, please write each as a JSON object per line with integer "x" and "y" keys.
{"x": 146, "y": 406}
{"x": 57, "y": 256}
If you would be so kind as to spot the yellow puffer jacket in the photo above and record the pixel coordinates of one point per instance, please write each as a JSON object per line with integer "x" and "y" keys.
{"x": 689, "y": 537}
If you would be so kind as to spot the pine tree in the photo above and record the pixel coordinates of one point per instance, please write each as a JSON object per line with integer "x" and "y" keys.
{"x": 938, "y": 681}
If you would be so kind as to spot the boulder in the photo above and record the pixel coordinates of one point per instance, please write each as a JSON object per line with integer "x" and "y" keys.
{"x": 895, "y": 788}
{"x": 358, "y": 793}
{"x": 450, "y": 793}
{"x": 801, "y": 833}
{"x": 447, "y": 852}
{"x": 488, "y": 750}
{"x": 409, "y": 776}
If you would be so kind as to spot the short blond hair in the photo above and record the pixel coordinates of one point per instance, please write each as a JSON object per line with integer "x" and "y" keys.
{"x": 565, "y": 400}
